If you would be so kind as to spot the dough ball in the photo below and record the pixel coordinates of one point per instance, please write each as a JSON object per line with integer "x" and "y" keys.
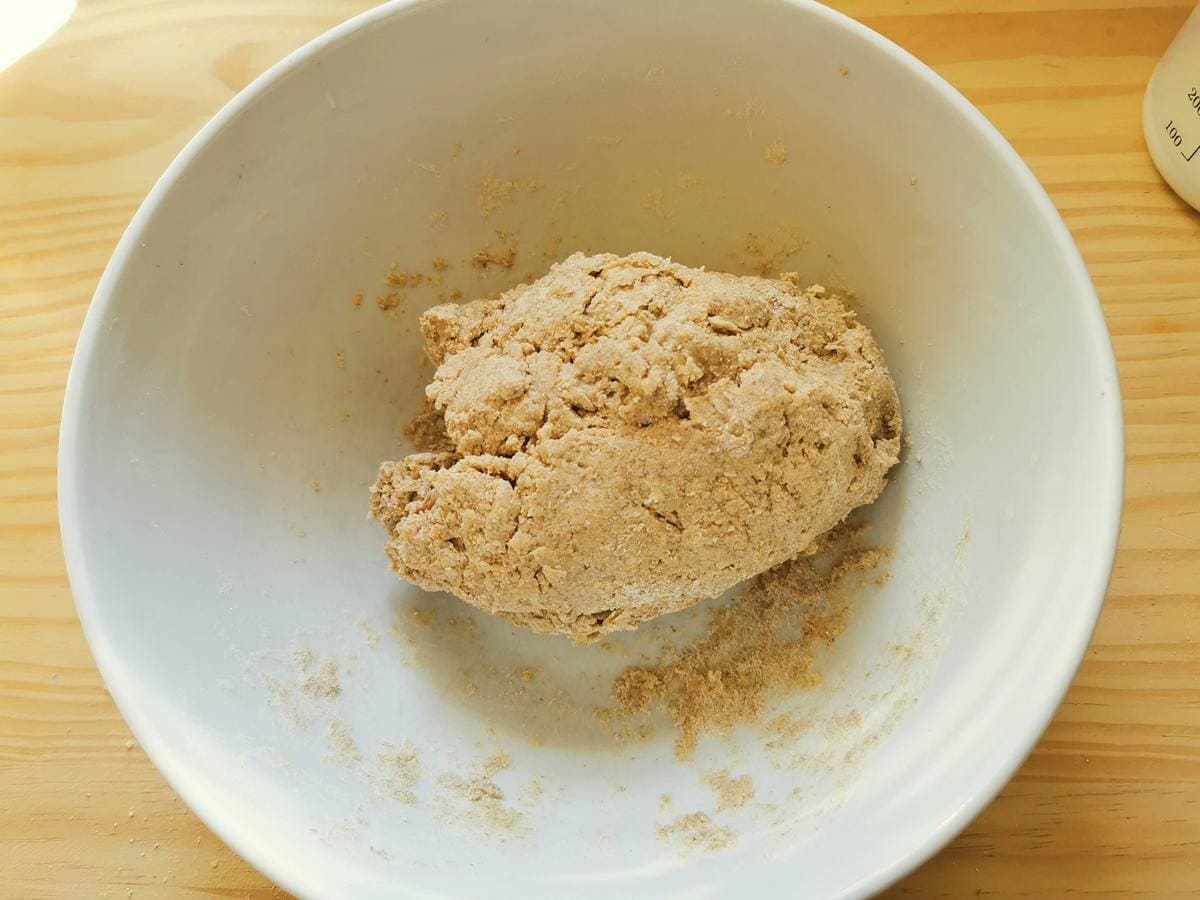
{"x": 628, "y": 436}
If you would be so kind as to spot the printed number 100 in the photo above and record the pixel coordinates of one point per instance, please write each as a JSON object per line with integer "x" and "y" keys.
{"x": 1177, "y": 139}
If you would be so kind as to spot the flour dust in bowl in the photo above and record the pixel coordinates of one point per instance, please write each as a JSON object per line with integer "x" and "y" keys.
{"x": 253, "y": 352}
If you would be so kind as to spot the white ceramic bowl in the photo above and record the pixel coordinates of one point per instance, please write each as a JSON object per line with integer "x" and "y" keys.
{"x": 205, "y": 398}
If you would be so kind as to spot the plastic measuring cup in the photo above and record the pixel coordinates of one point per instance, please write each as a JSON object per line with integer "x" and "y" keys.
{"x": 1171, "y": 112}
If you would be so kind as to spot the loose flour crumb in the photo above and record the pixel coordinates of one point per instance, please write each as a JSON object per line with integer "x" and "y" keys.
{"x": 731, "y": 792}
{"x": 531, "y": 792}
{"x": 320, "y": 682}
{"x": 696, "y": 831}
{"x": 653, "y": 201}
{"x": 475, "y": 799}
{"x": 493, "y": 192}
{"x": 369, "y": 632}
{"x": 504, "y": 256}
{"x": 764, "y": 640}
{"x": 397, "y": 772}
{"x": 341, "y": 745}
{"x": 766, "y": 255}
{"x": 783, "y": 730}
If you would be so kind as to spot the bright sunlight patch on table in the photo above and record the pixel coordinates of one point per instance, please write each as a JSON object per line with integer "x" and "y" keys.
{"x": 25, "y": 24}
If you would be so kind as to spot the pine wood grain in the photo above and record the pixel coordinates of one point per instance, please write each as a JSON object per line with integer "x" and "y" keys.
{"x": 1109, "y": 802}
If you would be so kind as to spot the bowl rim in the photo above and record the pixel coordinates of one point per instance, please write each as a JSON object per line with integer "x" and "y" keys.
{"x": 1040, "y": 709}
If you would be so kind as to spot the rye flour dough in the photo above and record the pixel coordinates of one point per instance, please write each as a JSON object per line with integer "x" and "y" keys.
{"x": 627, "y": 436}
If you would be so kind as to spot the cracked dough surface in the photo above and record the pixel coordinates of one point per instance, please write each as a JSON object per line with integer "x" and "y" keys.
{"x": 627, "y": 436}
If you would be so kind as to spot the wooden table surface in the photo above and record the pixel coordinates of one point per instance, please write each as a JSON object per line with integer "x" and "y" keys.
{"x": 1108, "y": 803}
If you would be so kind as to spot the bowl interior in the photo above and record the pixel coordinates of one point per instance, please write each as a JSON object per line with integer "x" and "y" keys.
{"x": 230, "y": 405}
